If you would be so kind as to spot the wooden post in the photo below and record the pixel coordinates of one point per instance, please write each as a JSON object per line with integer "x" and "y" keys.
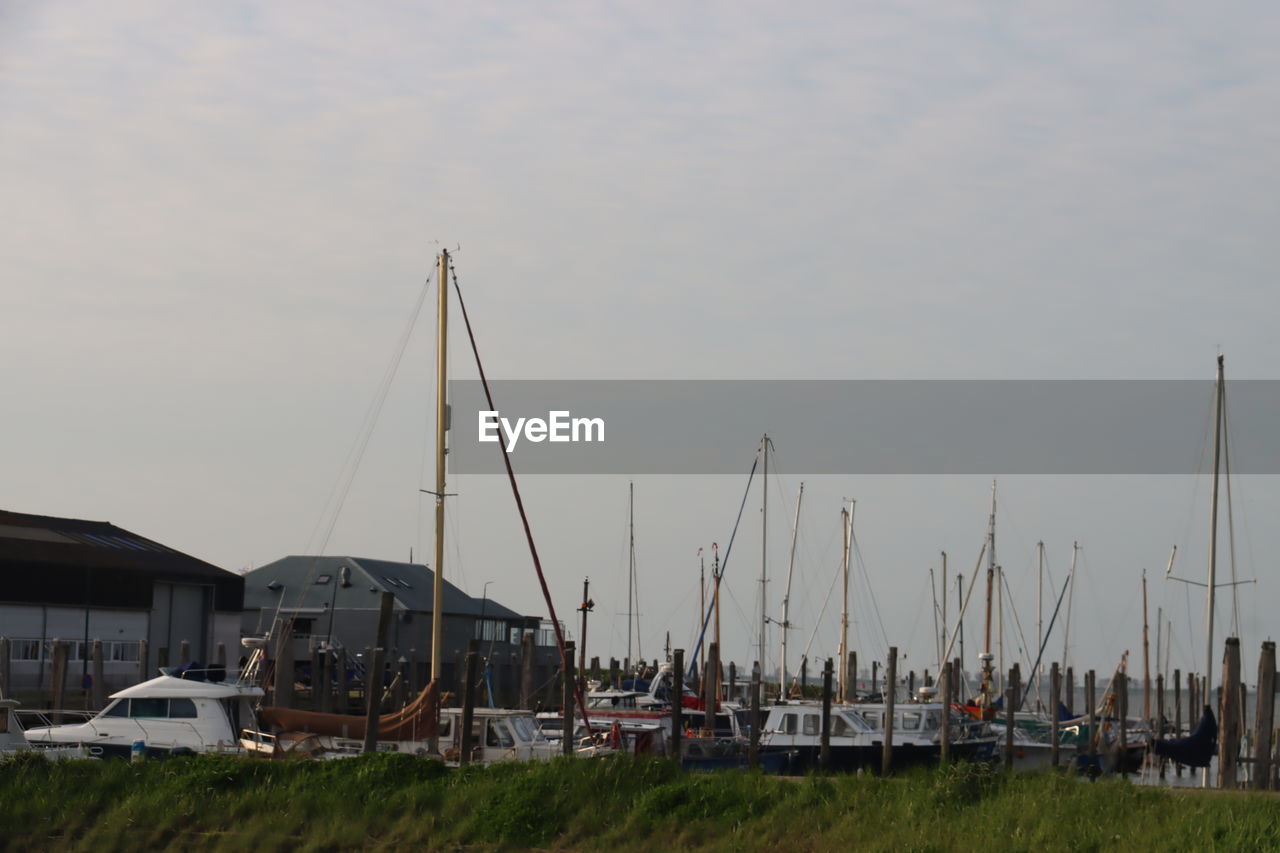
{"x": 677, "y": 705}
{"x": 376, "y": 673}
{"x": 1194, "y": 705}
{"x": 733, "y": 681}
{"x": 890, "y": 678}
{"x": 1122, "y": 711}
{"x": 1229, "y": 718}
{"x": 1070, "y": 693}
{"x": 5, "y": 669}
{"x": 1055, "y": 690}
{"x": 1177, "y": 712}
{"x": 1010, "y": 702}
{"x": 469, "y": 702}
{"x": 753, "y": 746}
{"x": 804, "y": 679}
{"x": 957, "y": 681}
{"x": 1264, "y": 716}
{"x": 875, "y": 680}
{"x": 613, "y": 674}
{"x": 595, "y": 670}
{"x": 184, "y": 652}
{"x": 566, "y": 713}
{"x": 850, "y": 678}
{"x": 527, "y": 655}
{"x": 944, "y": 731}
{"x": 825, "y": 751}
{"x": 1160, "y": 718}
{"x": 1090, "y": 697}
{"x": 98, "y": 695}
{"x": 709, "y": 689}
{"x": 911, "y": 685}
{"x": 57, "y": 679}
{"x": 282, "y": 682}
{"x": 317, "y": 676}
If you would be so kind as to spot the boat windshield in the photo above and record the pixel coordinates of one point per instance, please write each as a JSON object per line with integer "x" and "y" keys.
{"x": 525, "y": 729}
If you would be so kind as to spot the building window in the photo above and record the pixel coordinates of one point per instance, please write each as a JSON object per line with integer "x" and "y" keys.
{"x": 25, "y": 649}
{"x": 811, "y": 724}
{"x": 491, "y": 629}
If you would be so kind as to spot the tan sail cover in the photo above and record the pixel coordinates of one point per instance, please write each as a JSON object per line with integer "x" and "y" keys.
{"x": 416, "y": 721}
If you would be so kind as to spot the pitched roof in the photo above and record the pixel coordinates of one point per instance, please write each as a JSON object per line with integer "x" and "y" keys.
{"x": 315, "y": 583}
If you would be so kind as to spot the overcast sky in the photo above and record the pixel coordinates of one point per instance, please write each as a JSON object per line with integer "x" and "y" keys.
{"x": 217, "y": 220}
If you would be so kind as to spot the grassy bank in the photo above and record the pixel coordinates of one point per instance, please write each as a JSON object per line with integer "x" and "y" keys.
{"x": 617, "y": 805}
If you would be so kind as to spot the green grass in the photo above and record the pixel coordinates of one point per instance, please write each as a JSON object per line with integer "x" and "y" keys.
{"x": 392, "y": 801}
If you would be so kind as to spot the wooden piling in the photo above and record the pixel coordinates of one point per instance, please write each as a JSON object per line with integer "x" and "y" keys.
{"x": 804, "y": 680}
{"x": 1159, "y": 728}
{"x": 1264, "y": 716}
{"x": 824, "y": 753}
{"x": 97, "y": 690}
{"x": 469, "y": 702}
{"x": 753, "y": 745}
{"x": 1010, "y": 703}
{"x": 1055, "y": 690}
{"x": 677, "y": 692}
{"x": 1069, "y": 693}
{"x": 1122, "y": 711}
{"x": 613, "y": 673}
{"x": 57, "y": 679}
{"x": 911, "y": 685}
{"x": 1229, "y": 716}
{"x": 957, "y": 681}
{"x": 527, "y": 655}
{"x": 1090, "y": 698}
{"x": 890, "y": 678}
{"x": 875, "y": 667}
{"x": 850, "y": 678}
{"x": 733, "y": 681}
{"x": 709, "y": 689}
{"x": 1177, "y": 713}
{"x": 595, "y": 670}
{"x": 944, "y": 731}
{"x": 567, "y": 682}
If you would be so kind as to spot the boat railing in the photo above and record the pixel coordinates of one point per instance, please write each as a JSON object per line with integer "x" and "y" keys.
{"x": 31, "y": 718}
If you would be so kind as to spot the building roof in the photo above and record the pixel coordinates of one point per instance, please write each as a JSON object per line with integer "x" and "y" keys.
{"x": 57, "y": 560}
{"x": 316, "y": 583}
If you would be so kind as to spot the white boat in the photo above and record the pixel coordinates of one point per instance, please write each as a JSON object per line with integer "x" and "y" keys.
{"x": 161, "y": 717}
{"x": 857, "y": 736}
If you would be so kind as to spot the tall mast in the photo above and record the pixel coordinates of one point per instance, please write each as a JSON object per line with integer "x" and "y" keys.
{"x": 442, "y": 427}
{"x": 1146, "y": 654}
{"x": 764, "y": 543}
{"x": 1213, "y": 532}
{"x": 945, "y": 630}
{"x": 986, "y": 656}
{"x": 1071, "y": 593}
{"x": 846, "y": 689}
{"x": 631, "y": 569}
{"x": 1040, "y": 615}
{"x": 786, "y": 597}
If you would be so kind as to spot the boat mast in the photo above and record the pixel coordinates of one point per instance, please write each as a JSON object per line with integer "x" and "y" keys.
{"x": 1146, "y": 654}
{"x": 846, "y": 689}
{"x": 1040, "y": 615}
{"x": 631, "y": 569}
{"x": 986, "y": 656}
{"x": 945, "y": 629}
{"x": 1213, "y": 534}
{"x": 442, "y": 427}
{"x": 786, "y": 597}
{"x": 764, "y": 546}
{"x": 702, "y": 607}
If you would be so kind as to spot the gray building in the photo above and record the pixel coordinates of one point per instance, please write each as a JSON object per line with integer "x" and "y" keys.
{"x": 81, "y": 581}
{"x": 334, "y": 602}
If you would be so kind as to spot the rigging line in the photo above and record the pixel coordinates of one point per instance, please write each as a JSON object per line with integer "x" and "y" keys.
{"x": 818, "y": 622}
{"x": 1026, "y": 650}
{"x": 524, "y": 518}
{"x": 351, "y": 465}
{"x": 724, "y": 564}
{"x": 866, "y": 577}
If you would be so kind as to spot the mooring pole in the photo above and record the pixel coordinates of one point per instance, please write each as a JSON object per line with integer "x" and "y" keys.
{"x": 825, "y": 752}
{"x": 677, "y": 702}
{"x": 944, "y": 733}
{"x": 890, "y": 680}
{"x": 1264, "y": 716}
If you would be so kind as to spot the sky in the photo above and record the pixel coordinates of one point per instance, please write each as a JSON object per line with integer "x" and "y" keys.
{"x": 217, "y": 220}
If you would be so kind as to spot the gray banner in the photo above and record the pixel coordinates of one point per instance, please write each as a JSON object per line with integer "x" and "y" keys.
{"x": 861, "y": 426}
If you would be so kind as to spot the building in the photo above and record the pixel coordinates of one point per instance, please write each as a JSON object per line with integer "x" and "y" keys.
{"x": 81, "y": 581}
{"x": 334, "y": 602}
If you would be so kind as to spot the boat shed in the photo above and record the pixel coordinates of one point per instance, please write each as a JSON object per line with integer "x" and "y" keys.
{"x": 333, "y": 602}
{"x": 81, "y": 581}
